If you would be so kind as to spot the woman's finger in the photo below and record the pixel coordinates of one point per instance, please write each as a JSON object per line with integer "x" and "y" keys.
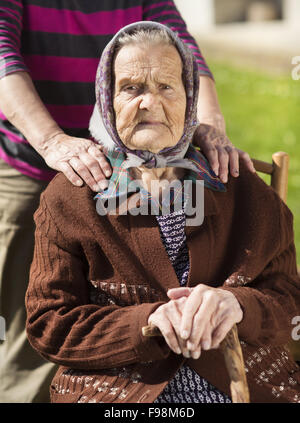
{"x": 72, "y": 176}
{"x": 247, "y": 159}
{"x": 168, "y": 333}
{"x": 81, "y": 169}
{"x": 204, "y": 138}
{"x": 176, "y": 293}
{"x": 183, "y": 347}
{"x": 94, "y": 168}
{"x": 192, "y": 304}
{"x": 233, "y": 161}
{"x": 202, "y": 320}
{"x": 212, "y": 156}
{"x": 195, "y": 354}
{"x": 206, "y": 338}
{"x": 175, "y": 318}
{"x": 221, "y": 331}
{"x": 167, "y": 318}
{"x": 223, "y": 164}
{"x": 102, "y": 160}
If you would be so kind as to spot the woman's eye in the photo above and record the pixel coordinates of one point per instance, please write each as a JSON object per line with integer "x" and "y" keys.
{"x": 131, "y": 88}
{"x": 166, "y": 87}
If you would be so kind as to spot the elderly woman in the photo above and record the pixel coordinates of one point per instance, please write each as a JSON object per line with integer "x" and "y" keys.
{"x": 96, "y": 280}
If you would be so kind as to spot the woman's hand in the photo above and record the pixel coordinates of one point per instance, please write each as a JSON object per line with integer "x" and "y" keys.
{"x": 220, "y": 152}
{"x": 79, "y": 159}
{"x": 211, "y": 136}
{"x": 207, "y": 315}
{"x": 168, "y": 319}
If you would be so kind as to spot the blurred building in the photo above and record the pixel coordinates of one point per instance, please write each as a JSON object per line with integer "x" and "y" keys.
{"x": 261, "y": 33}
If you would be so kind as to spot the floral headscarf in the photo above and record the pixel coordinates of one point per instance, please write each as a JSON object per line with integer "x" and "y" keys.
{"x": 183, "y": 153}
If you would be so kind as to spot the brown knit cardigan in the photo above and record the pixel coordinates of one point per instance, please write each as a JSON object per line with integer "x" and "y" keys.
{"x": 95, "y": 280}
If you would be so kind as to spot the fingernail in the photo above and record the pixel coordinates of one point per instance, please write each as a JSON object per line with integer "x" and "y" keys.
{"x": 102, "y": 185}
{"x": 190, "y": 346}
{"x": 107, "y": 173}
{"x": 196, "y": 355}
{"x": 187, "y": 354}
{"x": 206, "y": 345}
{"x": 178, "y": 351}
{"x": 78, "y": 182}
{"x": 216, "y": 171}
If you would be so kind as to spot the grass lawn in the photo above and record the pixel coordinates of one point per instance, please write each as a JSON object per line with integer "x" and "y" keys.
{"x": 262, "y": 114}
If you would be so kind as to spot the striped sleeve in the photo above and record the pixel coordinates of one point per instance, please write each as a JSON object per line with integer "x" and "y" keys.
{"x": 165, "y": 12}
{"x": 11, "y": 59}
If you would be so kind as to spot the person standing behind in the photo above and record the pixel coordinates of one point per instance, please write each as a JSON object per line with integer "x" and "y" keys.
{"x": 49, "y": 51}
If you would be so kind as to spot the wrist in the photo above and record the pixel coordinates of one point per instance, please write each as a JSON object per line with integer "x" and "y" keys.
{"x": 42, "y": 141}
{"x": 215, "y": 119}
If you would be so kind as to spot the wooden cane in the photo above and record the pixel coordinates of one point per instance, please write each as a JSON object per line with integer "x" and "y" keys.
{"x": 234, "y": 361}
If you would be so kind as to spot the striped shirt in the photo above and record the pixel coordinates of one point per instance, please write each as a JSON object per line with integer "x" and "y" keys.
{"x": 59, "y": 42}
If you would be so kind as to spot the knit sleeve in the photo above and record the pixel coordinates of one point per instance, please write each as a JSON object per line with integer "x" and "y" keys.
{"x": 272, "y": 300}
{"x": 62, "y": 323}
{"x": 11, "y": 60}
{"x": 165, "y": 12}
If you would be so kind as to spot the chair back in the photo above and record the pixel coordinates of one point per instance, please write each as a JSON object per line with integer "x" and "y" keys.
{"x": 278, "y": 170}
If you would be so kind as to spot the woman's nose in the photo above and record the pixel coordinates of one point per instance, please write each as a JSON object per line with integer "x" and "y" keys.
{"x": 148, "y": 100}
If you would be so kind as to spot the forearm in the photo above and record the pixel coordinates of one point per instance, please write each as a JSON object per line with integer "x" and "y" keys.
{"x": 23, "y": 107}
{"x": 209, "y": 110}
{"x": 92, "y": 337}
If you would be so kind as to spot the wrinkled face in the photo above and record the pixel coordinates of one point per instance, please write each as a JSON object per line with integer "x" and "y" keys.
{"x": 149, "y": 97}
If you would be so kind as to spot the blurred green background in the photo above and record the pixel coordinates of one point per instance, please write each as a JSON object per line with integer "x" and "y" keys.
{"x": 262, "y": 113}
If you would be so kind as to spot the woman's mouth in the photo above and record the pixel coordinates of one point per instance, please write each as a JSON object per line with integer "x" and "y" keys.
{"x": 149, "y": 123}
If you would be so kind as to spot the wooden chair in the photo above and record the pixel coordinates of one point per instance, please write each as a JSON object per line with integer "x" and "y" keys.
{"x": 278, "y": 170}
{"x": 231, "y": 348}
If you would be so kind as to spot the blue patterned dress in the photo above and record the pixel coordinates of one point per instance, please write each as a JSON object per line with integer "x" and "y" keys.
{"x": 186, "y": 386}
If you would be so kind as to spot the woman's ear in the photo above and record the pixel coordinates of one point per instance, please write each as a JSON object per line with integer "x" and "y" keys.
{"x": 98, "y": 130}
